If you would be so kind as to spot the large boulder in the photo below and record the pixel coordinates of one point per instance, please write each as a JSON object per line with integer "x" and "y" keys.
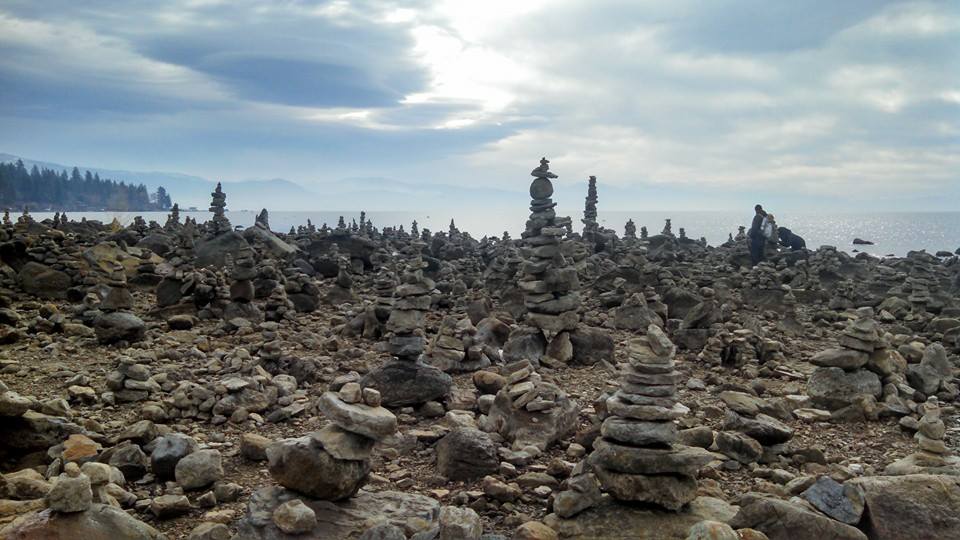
{"x": 344, "y": 520}
{"x": 932, "y": 371}
{"x": 43, "y": 281}
{"x": 100, "y": 522}
{"x": 277, "y": 247}
{"x": 638, "y": 522}
{"x": 781, "y": 520}
{"x": 214, "y": 251}
{"x": 833, "y": 388}
{"x": 467, "y": 453}
{"x": 119, "y": 326}
{"x": 916, "y": 506}
{"x": 524, "y": 428}
{"x": 304, "y": 466}
{"x": 403, "y": 383}
{"x": 591, "y": 345}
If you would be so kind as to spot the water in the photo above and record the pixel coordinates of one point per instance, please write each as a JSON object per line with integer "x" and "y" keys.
{"x": 893, "y": 233}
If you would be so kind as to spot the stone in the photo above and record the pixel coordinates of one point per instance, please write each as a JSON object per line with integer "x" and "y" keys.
{"x": 638, "y": 433}
{"x": 100, "y": 522}
{"x": 304, "y": 466}
{"x": 13, "y": 404}
{"x": 459, "y": 523}
{"x": 345, "y": 519}
{"x": 199, "y": 469}
{"x": 253, "y": 446}
{"x": 343, "y": 444}
{"x": 683, "y": 460}
{"x": 534, "y": 530}
{"x": 119, "y": 326}
{"x": 738, "y": 446}
{"x": 916, "y": 506}
{"x": 669, "y": 491}
{"x": 43, "y": 281}
{"x": 209, "y": 530}
{"x": 466, "y": 453}
{"x": 765, "y": 429}
{"x": 781, "y": 520}
{"x": 842, "y": 502}
{"x": 847, "y": 359}
{"x": 403, "y": 383}
{"x": 70, "y": 494}
{"x": 833, "y": 388}
{"x": 168, "y": 451}
{"x": 712, "y": 530}
{"x": 294, "y": 517}
{"x": 79, "y": 448}
{"x": 170, "y": 506}
{"x": 373, "y": 422}
{"x": 638, "y": 522}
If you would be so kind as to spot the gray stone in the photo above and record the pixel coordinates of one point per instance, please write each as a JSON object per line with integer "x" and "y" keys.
{"x": 916, "y": 506}
{"x": 70, "y": 494}
{"x": 403, "y": 383}
{"x": 373, "y": 422}
{"x": 842, "y": 502}
{"x": 304, "y": 466}
{"x": 466, "y": 453}
{"x": 168, "y": 451}
{"x": 100, "y": 522}
{"x": 170, "y": 506}
{"x": 342, "y": 444}
{"x": 294, "y": 517}
{"x": 781, "y": 520}
{"x": 199, "y": 469}
{"x": 459, "y": 523}
{"x": 833, "y": 388}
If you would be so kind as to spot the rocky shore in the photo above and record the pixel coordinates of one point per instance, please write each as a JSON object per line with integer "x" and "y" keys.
{"x": 192, "y": 380}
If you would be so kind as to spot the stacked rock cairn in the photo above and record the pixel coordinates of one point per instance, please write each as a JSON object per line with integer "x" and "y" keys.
{"x": 637, "y": 458}
{"x": 844, "y": 367}
{"x": 333, "y": 463}
{"x": 219, "y": 224}
{"x": 590, "y": 211}
{"x": 242, "y": 290}
{"x": 549, "y": 282}
{"x": 409, "y": 309}
{"x": 630, "y": 230}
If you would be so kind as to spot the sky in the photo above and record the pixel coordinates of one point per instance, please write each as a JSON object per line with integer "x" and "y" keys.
{"x": 704, "y": 104}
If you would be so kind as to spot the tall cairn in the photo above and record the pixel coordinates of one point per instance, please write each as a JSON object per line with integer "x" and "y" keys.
{"x": 407, "y": 380}
{"x": 590, "y": 212}
{"x": 549, "y": 283}
{"x": 220, "y": 224}
{"x": 637, "y": 457}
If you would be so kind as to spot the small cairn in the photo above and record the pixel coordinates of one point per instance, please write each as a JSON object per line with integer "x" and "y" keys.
{"x": 643, "y": 233}
{"x": 667, "y": 228}
{"x": 630, "y": 230}
{"x": 407, "y": 380}
{"x": 242, "y": 290}
{"x": 173, "y": 218}
{"x": 637, "y": 458}
{"x": 333, "y": 463}
{"x": 842, "y": 378}
{"x": 589, "y": 220}
{"x": 220, "y": 224}
{"x": 530, "y": 411}
{"x": 933, "y": 457}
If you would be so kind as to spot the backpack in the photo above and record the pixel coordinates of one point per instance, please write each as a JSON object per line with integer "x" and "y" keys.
{"x": 767, "y": 228}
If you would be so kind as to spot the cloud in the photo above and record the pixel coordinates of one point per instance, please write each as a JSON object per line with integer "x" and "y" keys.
{"x": 813, "y": 98}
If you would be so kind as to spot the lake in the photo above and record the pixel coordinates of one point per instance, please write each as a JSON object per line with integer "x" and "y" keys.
{"x": 893, "y": 233}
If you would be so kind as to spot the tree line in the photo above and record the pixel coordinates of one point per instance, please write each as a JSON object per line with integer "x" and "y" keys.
{"x": 50, "y": 189}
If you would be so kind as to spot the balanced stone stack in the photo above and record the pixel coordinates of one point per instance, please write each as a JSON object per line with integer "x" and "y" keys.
{"x": 242, "y": 290}
{"x": 643, "y": 232}
{"x": 637, "y": 457}
{"x": 529, "y": 411}
{"x": 333, "y": 463}
{"x": 590, "y": 212}
{"x": 842, "y": 377}
{"x": 219, "y": 224}
{"x": 173, "y": 218}
{"x": 667, "y": 228}
{"x": 130, "y": 382}
{"x": 934, "y": 457}
{"x": 549, "y": 283}
{"x": 630, "y": 230}
{"x": 407, "y": 380}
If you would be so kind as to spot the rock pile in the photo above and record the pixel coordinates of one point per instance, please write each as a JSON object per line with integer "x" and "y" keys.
{"x": 407, "y": 380}
{"x": 842, "y": 378}
{"x": 333, "y": 463}
{"x": 529, "y": 411}
{"x": 637, "y": 458}
{"x": 219, "y": 224}
{"x": 589, "y": 220}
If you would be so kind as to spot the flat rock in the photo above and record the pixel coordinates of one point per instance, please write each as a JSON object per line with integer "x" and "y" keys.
{"x": 345, "y": 520}
{"x": 100, "y": 522}
{"x": 373, "y": 422}
{"x": 639, "y": 522}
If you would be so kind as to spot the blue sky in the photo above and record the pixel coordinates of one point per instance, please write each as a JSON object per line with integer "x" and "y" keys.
{"x": 807, "y": 100}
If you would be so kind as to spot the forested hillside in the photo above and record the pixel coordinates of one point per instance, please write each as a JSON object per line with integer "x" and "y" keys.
{"x": 48, "y": 189}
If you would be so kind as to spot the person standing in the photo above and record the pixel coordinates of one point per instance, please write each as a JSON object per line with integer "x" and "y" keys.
{"x": 757, "y": 240}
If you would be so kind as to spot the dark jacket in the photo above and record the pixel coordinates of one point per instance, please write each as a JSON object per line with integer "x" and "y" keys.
{"x": 756, "y": 232}
{"x": 788, "y": 239}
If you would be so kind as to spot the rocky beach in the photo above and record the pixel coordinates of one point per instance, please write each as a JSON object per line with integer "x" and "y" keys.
{"x": 193, "y": 379}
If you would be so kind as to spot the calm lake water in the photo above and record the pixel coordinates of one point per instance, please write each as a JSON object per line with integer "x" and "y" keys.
{"x": 892, "y": 232}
